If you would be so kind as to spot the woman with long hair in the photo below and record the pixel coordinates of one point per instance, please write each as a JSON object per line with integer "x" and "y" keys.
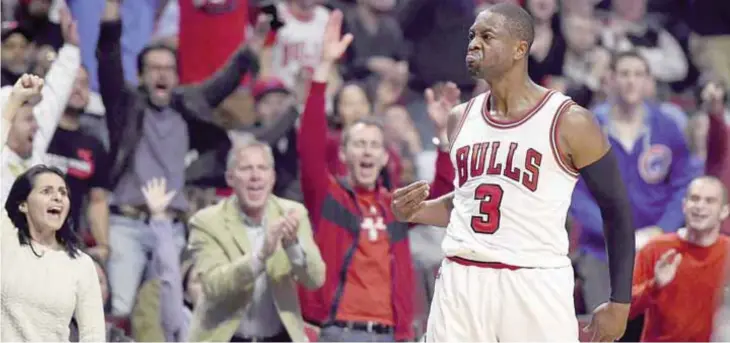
{"x": 46, "y": 279}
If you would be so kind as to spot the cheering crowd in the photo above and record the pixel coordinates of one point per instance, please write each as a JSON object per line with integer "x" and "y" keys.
{"x": 225, "y": 166}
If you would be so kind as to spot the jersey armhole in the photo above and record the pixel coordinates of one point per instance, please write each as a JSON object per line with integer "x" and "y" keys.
{"x": 566, "y": 166}
{"x": 452, "y": 140}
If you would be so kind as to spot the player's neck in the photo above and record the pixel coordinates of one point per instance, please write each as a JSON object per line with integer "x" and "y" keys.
{"x": 703, "y": 238}
{"x": 507, "y": 92}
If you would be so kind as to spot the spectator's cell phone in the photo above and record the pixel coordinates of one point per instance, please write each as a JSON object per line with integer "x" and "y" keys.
{"x": 270, "y": 9}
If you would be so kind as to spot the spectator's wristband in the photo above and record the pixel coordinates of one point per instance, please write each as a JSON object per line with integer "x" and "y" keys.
{"x": 603, "y": 179}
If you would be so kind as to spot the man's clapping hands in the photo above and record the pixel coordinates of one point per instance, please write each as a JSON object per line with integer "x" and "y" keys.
{"x": 282, "y": 231}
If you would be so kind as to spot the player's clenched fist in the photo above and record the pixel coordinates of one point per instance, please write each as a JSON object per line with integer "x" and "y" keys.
{"x": 407, "y": 201}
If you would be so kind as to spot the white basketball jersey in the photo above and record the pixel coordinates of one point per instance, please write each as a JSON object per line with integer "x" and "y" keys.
{"x": 298, "y": 43}
{"x": 512, "y": 189}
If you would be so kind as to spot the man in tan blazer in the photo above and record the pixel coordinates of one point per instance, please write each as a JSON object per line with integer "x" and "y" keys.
{"x": 251, "y": 250}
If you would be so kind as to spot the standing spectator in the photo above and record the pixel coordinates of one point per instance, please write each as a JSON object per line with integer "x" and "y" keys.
{"x": 209, "y": 32}
{"x": 585, "y": 64}
{"x": 547, "y": 52}
{"x": 432, "y": 26}
{"x": 15, "y": 51}
{"x": 33, "y": 127}
{"x": 674, "y": 269}
{"x": 378, "y": 48}
{"x": 629, "y": 29}
{"x": 655, "y": 166}
{"x": 296, "y": 47}
{"x": 47, "y": 280}
{"x": 252, "y": 249}
{"x": 151, "y": 131}
{"x": 34, "y": 17}
{"x": 83, "y": 159}
{"x": 368, "y": 292}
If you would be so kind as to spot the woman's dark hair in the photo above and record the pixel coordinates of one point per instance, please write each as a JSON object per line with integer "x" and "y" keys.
{"x": 335, "y": 119}
{"x": 19, "y": 192}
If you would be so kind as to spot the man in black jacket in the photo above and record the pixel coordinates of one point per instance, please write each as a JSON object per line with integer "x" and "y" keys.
{"x": 151, "y": 130}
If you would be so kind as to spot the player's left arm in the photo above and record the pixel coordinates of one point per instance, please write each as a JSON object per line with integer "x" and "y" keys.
{"x": 584, "y": 145}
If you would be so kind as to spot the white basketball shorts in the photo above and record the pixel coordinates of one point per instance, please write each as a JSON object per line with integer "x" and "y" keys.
{"x": 474, "y": 303}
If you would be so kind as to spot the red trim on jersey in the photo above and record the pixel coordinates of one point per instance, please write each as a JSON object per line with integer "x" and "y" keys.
{"x": 461, "y": 123}
{"x": 555, "y": 140}
{"x": 493, "y": 265}
{"x": 508, "y": 124}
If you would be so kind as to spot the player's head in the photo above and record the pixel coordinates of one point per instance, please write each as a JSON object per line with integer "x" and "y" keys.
{"x": 705, "y": 205}
{"x": 631, "y": 75}
{"x": 499, "y": 40}
{"x": 363, "y": 151}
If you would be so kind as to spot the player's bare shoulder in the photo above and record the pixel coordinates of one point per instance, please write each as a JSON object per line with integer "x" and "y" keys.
{"x": 581, "y": 137}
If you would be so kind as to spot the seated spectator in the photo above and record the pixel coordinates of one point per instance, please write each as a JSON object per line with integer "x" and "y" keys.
{"x": 628, "y": 28}
{"x": 152, "y": 128}
{"x": 251, "y": 250}
{"x": 679, "y": 277}
{"x": 655, "y": 166}
{"x": 33, "y": 127}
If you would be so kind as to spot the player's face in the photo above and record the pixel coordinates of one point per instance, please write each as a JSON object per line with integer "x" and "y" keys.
{"x": 631, "y": 79}
{"x": 703, "y": 206}
{"x": 490, "y": 51}
{"x": 364, "y": 154}
{"x": 252, "y": 177}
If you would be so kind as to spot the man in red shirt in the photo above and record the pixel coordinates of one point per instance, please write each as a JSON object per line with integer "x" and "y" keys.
{"x": 368, "y": 291}
{"x": 679, "y": 277}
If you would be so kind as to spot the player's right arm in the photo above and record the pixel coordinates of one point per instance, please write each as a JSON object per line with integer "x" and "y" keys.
{"x": 408, "y": 202}
{"x": 584, "y": 147}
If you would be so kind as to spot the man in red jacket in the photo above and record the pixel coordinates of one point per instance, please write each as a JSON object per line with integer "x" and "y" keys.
{"x": 368, "y": 292}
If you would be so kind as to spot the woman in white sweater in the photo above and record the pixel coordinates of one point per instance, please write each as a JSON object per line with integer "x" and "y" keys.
{"x": 46, "y": 280}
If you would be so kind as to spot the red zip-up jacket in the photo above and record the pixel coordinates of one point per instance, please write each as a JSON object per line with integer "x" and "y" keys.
{"x": 336, "y": 220}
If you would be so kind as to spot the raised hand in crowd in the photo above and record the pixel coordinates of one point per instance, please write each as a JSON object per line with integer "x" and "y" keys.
{"x": 260, "y": 32}
{"x": 713, "y": 98}
{"x": 334, "y": 43}
{"x": 26, "y": 89}
{"x": 157, "y": 197}
{"x": 666, "y": 267}
{"x": 69, "y": 29}
{"x": 111, "y": 11}
{"x": 439, "y": 102}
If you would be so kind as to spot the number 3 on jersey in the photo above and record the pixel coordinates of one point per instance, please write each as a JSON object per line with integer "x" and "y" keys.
{"x": 490, "y": 199}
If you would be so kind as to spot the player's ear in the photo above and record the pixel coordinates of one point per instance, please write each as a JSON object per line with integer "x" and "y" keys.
{"x": 521, "y": 50}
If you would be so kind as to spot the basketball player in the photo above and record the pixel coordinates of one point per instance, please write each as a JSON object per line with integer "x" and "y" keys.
{"x": 518, "y": 151}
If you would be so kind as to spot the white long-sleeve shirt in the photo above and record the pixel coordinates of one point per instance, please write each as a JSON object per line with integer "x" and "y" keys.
{"x": 55, "y": 94}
